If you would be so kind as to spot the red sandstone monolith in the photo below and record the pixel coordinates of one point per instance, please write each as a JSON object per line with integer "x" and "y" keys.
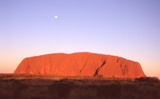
{"x": 81, "y": 64}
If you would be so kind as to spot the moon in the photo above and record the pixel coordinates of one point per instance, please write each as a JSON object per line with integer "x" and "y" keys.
{"x": 55, "y": 17}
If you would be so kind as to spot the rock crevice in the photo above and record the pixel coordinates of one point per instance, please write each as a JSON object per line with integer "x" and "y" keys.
{"x": 97, "y": 70}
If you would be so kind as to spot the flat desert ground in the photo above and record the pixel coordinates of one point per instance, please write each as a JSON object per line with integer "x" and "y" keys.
{"x": 16, "y": 86}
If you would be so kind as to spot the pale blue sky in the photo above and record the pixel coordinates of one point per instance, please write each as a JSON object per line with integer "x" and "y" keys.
{"x": 126, "y": 28}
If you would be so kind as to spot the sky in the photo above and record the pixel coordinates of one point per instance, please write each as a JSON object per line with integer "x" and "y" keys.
{"x": 125, "y": 28}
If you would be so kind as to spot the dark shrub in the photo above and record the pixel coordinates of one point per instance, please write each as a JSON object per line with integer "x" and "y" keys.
{"x": 81, "y": 92}
{"x": 60, "y": 89}
{"x": 110, "y": 90}
{"x": 18, "y": 85}
{"x": 129, "y": 91}
{"x": 147, "y": 79}
{"x": 129, "y": 87}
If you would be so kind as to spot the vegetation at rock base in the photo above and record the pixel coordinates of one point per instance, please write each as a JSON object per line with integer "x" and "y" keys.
{"x": 43, "y": 87}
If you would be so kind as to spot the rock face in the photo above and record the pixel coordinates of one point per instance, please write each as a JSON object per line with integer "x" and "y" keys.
{"x": 81, "y": 64}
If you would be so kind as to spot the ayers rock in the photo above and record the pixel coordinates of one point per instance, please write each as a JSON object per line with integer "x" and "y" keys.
{"x": 81, "y": 64}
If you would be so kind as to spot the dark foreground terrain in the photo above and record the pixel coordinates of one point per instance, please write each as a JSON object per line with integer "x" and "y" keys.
{"x": 51, "y": 87}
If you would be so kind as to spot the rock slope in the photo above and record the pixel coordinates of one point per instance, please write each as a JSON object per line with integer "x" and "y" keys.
{"x": 80, "y": 64}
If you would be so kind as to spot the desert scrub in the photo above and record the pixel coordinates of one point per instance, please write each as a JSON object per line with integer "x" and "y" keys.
{"x": 147, "y": 79}
{"x": 60, "y": 89}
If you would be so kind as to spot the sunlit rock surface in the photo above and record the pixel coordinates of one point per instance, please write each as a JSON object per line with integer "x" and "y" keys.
{"x": 81, "y": 64}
